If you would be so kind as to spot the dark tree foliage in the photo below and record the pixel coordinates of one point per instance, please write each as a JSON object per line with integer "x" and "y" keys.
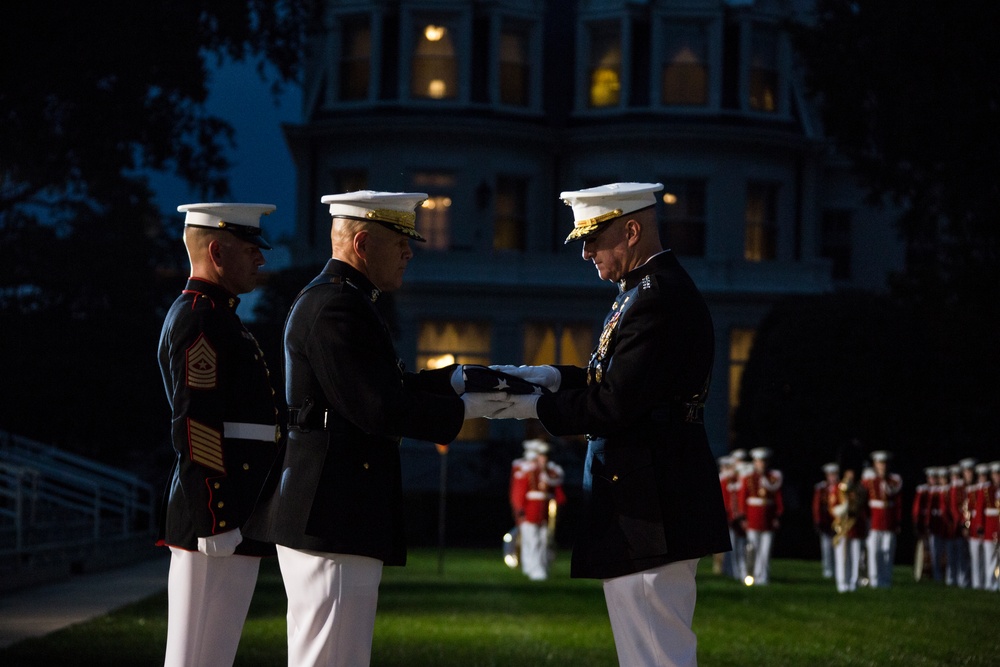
{"x": 93, "y": 95}
{"x": 910, "y": 93}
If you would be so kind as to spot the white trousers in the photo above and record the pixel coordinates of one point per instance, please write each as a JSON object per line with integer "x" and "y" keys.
{"x": 881, "y": 554}
{"x": 207, "y": 602}
{"x": 760, "y": 541}
{"x": 846, "y": 564}
{"x": 826, "y": 554}
{"x": 990, "y": 581}
{"x": 534, "y": 550}
{"x": 651, "y": 613}
{"x": 739, "y": 542}
{"x": 331, "y": 607}
{"x": 976, "y": 565}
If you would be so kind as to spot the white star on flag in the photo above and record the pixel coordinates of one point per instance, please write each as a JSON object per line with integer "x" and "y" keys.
{"x": 501, "y": 385}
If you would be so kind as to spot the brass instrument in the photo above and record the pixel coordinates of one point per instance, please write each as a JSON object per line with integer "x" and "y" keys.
{"x": 846, "y": 510}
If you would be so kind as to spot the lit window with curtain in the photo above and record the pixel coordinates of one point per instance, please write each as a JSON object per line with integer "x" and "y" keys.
{"x": 510, "y": 215}
{"x": 434, "y": 215}
{"x": 442, "y": 343}
{"x": 355, "y": 58}
{"x": 685, "y": 64}
{"x": 435, "y": 63}
{"x": 761, "y": 218}
{"x": 554, "y": 343}
{"x": 514, "y": 65}
{"x": 764, "y": 77}
{"x": 605, "y": 64}
{"x": 684, "y": 215}
{"x": 740, "y": 344}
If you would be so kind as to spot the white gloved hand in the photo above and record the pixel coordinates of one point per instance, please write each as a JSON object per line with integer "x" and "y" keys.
{"x": 485, "y": 404}
{"x": 458, "y": 380}
{"x": 223, "y": 544}
{"x": 521, "y": 406}
{"x": 544, "y": 376}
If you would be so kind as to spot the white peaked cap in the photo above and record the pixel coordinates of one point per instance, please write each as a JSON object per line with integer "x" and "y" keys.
{"x": 243, "y": 220}
{"x": 394, "y": 210}
{"x": 595, "y": 207}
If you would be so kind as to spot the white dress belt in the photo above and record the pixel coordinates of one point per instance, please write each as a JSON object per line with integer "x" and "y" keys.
{"x": 245, "y": 431}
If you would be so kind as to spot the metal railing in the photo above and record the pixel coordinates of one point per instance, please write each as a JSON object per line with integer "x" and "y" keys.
{"x": 51, "y": 499}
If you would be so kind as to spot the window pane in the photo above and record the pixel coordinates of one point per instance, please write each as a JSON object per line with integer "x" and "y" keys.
{"x": 764, "y": 69}
{"x": 355, "y": 59}
{"x": 740, "y": 343}
{"x": 513, "y": 68}
{"x": 685, "y": 65}
{"x": 434, "y": 215}
{"x": 440, "y": 344}
{"x": 605, "y": 64}
{"x": 547, "y": 343}
{"x": 684, "y": 213}
{"x": 760, "y": 241}
{"x": 435, "y": 68}
{"x": 510, "y": 215}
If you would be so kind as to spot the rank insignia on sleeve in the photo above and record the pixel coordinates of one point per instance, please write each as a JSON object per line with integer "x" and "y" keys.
{"x": 202, "y": 365}
{"x": 206, "y": 446}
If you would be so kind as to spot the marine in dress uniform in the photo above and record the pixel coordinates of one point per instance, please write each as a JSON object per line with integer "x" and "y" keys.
{"x": 723, "y": 563}
{"x": 885, "y": 513}
{"x": 976, "y": 525}
{"x": 990, "y": 503}
{"x": 536, "y": 482}
{"x": 938, "y": 522}
{"x": 921, "y": 515}
{"x": 737, "y": 529}
{"x": 337, "y": 512}
{"x": 653, "y": 505}
{"x": 761, "y": 504}
{"x": 962, "y": 475}
{"x": 224, "y": 433}
{"x": 822, "y": 521}
{"x": 849, "y": 530}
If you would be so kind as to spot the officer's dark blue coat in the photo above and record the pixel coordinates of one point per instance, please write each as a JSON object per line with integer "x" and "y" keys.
{"x": 340, "y": 487}
{"x": 650, "y": 479}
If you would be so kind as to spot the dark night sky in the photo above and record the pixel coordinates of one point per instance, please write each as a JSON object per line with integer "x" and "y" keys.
{"x": 262, "y": 166}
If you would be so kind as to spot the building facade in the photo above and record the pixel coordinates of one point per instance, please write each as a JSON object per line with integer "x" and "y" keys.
{"x": 493, "y": 108}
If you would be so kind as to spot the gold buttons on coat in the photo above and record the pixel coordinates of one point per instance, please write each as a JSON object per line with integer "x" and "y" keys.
{"x": 614, "y": 478}
{"x": 216, "y": 485}
{"x": 221, "y": 504}
{"x": 246, "y": 466}
{"x": 222, "y": 524}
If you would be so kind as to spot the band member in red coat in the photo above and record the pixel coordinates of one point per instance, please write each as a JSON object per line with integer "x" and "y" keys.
{"x": 885, "y": 514}
{"x": 535, "y": 483}
{"x": 962, "y": 476}
{"x": 822, "y": 520}
{"x": 761, "y": 505}
{"x": 975, "y": 508}
{"x": 920, "y": 512}
{"x": 990, "y": 503}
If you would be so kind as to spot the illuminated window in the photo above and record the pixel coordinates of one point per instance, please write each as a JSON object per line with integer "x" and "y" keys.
{"x": 434, "y": 215}
{"x": 764, "y": 69}
{"x": 685, "y": 65}
{"x": 684, "y": 213}
{"x": 440, "y": 344}
{"x": 761, "y": 216}
{"x": 355, "y": 59}
{"x": 546, "y": 343}
{"x": 514, "y": 70}
{"x": 605, "y": 64}
{"x": 435, "y": 67}
{"x": 510, "y": 217}
{"x": 740, "y": 344}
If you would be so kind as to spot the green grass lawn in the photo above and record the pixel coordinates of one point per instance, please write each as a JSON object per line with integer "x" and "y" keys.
{"x": 480, "y": 613}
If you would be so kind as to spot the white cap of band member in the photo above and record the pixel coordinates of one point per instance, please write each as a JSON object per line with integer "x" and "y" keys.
{"x": 593, "y": 208}
{"x": 243, "y": 220}
{"x": 760, "y": 453}
{"x": 881, "y": 456}
{"x": 393, "y": 210}
{"x": 831, "y": 468}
